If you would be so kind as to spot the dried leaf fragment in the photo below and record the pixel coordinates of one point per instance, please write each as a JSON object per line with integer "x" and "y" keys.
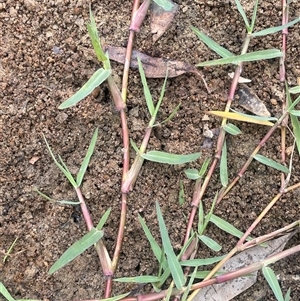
{"x": 161, "y": 19}
{"x": 250, "y": 101}
{"x": 154, "y": 67}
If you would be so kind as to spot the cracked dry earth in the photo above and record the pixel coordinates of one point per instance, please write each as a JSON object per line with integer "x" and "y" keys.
{"x": 45, "y": 56}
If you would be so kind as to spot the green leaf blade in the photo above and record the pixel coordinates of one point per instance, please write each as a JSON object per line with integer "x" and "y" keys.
{"x": 274, "y": 29}
{"x": 93, "y": 33}
{"x": 154, "y": 245}
{"x": 103, "y": 219}
{"x": 201, "y": 262}
{"x": 147, "y": 93}
{"x": 138, "y": 279}
{"x": 232, "y": 129}
{"x": 96, "y": 79}
{"x": 242, "y": 13}
{"x": 167, "y": 5}
{"x": 269, "y": 162}
{"x": 223, "y": 52}
{"x": 87, "y": 158}
{"x": 213, "y": 245}
{"x": 273, "y": 282}
{"x": 76, "y": 249}
{"x": 223, "y": 166}
{"x": 4, "y": 292}
{"x": 175, "y": 267}
{"x": 247, "y": 57}
{"x": 167, "y": 158}
{"x": 63, "y": 169}
{"x": 192, "y": 174}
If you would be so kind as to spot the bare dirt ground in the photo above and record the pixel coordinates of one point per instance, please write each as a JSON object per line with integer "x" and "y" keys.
{"x": 45, "y": 57}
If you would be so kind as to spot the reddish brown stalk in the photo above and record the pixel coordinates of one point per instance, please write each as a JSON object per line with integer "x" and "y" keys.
{"x": 100, "y": 248}
{"x": 126, "y": 145}
{"x": 200, "y": 189}
{"x": 282, "y": 75}
{"x": 264, "y": 212}
{"x": 256, "y": 150}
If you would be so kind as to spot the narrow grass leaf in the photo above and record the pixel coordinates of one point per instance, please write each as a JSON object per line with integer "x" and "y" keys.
{"x": 188, "y": 288}
{"x": 240, "y": 117}
{"x": 5, "y": 293}
{"x": 76, "y": 249}
{"x": 87, "y": 158}
{"x": 295, "y": 123}
{"x": 269, "y": 162}
{"x": 154, "y": 245}
{"x": 175, "y": 267}
{"x": 295, "y": 113}
{"x": 138, "y": 279}
{"x": 62, "y": 169}
{"x": 167, "y": 158}
{"x": 66, "y": 202}
{"x": 273, "y": 282}
{"x": 209, "y": 242}
{"x": 93, "y": 33}
{"x": 232, "y": 129}
{"x": 181, "y": 193}
{"x": 294, "y": 90}
{"x": 63, "y": 202}
{"x": 223, "y": 166}
{"x": 115, "y": 298}
{"x": 274, "y": 29}
{"x": 253, "y": 16}
{"x": 103, "y": 219}
{"x": 167, "y": 5}
{"x": 169, "y": 292}
{"x": 201, "y": 218}
{"x": 288, "y": 295}
{"x": 247, "y": 57}
{"x": 192, "y": 174}
{"x": 96, "y": 79}
{"x": 223, "y": 52}
{"x": 204, "y": 167}
{"x": 147, "y": 93}
{"x": 227, "y": 227}
{"x": 242, "y": 13}
{"x": 10, "y": 249}
{"x": 170, "y": 117}
{"x": 134, "y": 146}
{"x": 261, "y": 118}
{"x": 201, "y": 262}
{"x": 203, "y": 274}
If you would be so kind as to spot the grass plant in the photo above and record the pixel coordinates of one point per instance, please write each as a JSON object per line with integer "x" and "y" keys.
{"x": 175, "y": 279}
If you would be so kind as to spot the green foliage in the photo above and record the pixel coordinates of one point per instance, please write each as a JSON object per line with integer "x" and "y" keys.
{"x": 231, "y": 129}
{"x": 173, "y": 263}
{"x": 181, "y": 193}
{"x": 93, "y": 33}
{"x": 275, "y": 29}
{"x": 103, "y": 219}
{"x": 167, "y": 5}
{"x": 64, "y": 169}
{"x": 247, "y": 57}
{"x": 76, "y": 249}
{"x": 201, "y": 262}
{"x": 223, "y": 166}
{"x": 269, "y": 162}
{"x": 147, "y": 93}
{"x": 5, "y": 293}
{"x": 223, "y": 52}
{"x": 167, "y": 158}
{"x": 87, "y": 158}
{"x": 97, "y": 79}
{"x": 274, "y": 284}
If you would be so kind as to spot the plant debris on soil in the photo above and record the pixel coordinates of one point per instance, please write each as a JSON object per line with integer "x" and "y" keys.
{"x": 45, "y": 57}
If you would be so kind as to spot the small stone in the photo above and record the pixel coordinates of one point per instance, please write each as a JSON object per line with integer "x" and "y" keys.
{"x": 273, "y": 101}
